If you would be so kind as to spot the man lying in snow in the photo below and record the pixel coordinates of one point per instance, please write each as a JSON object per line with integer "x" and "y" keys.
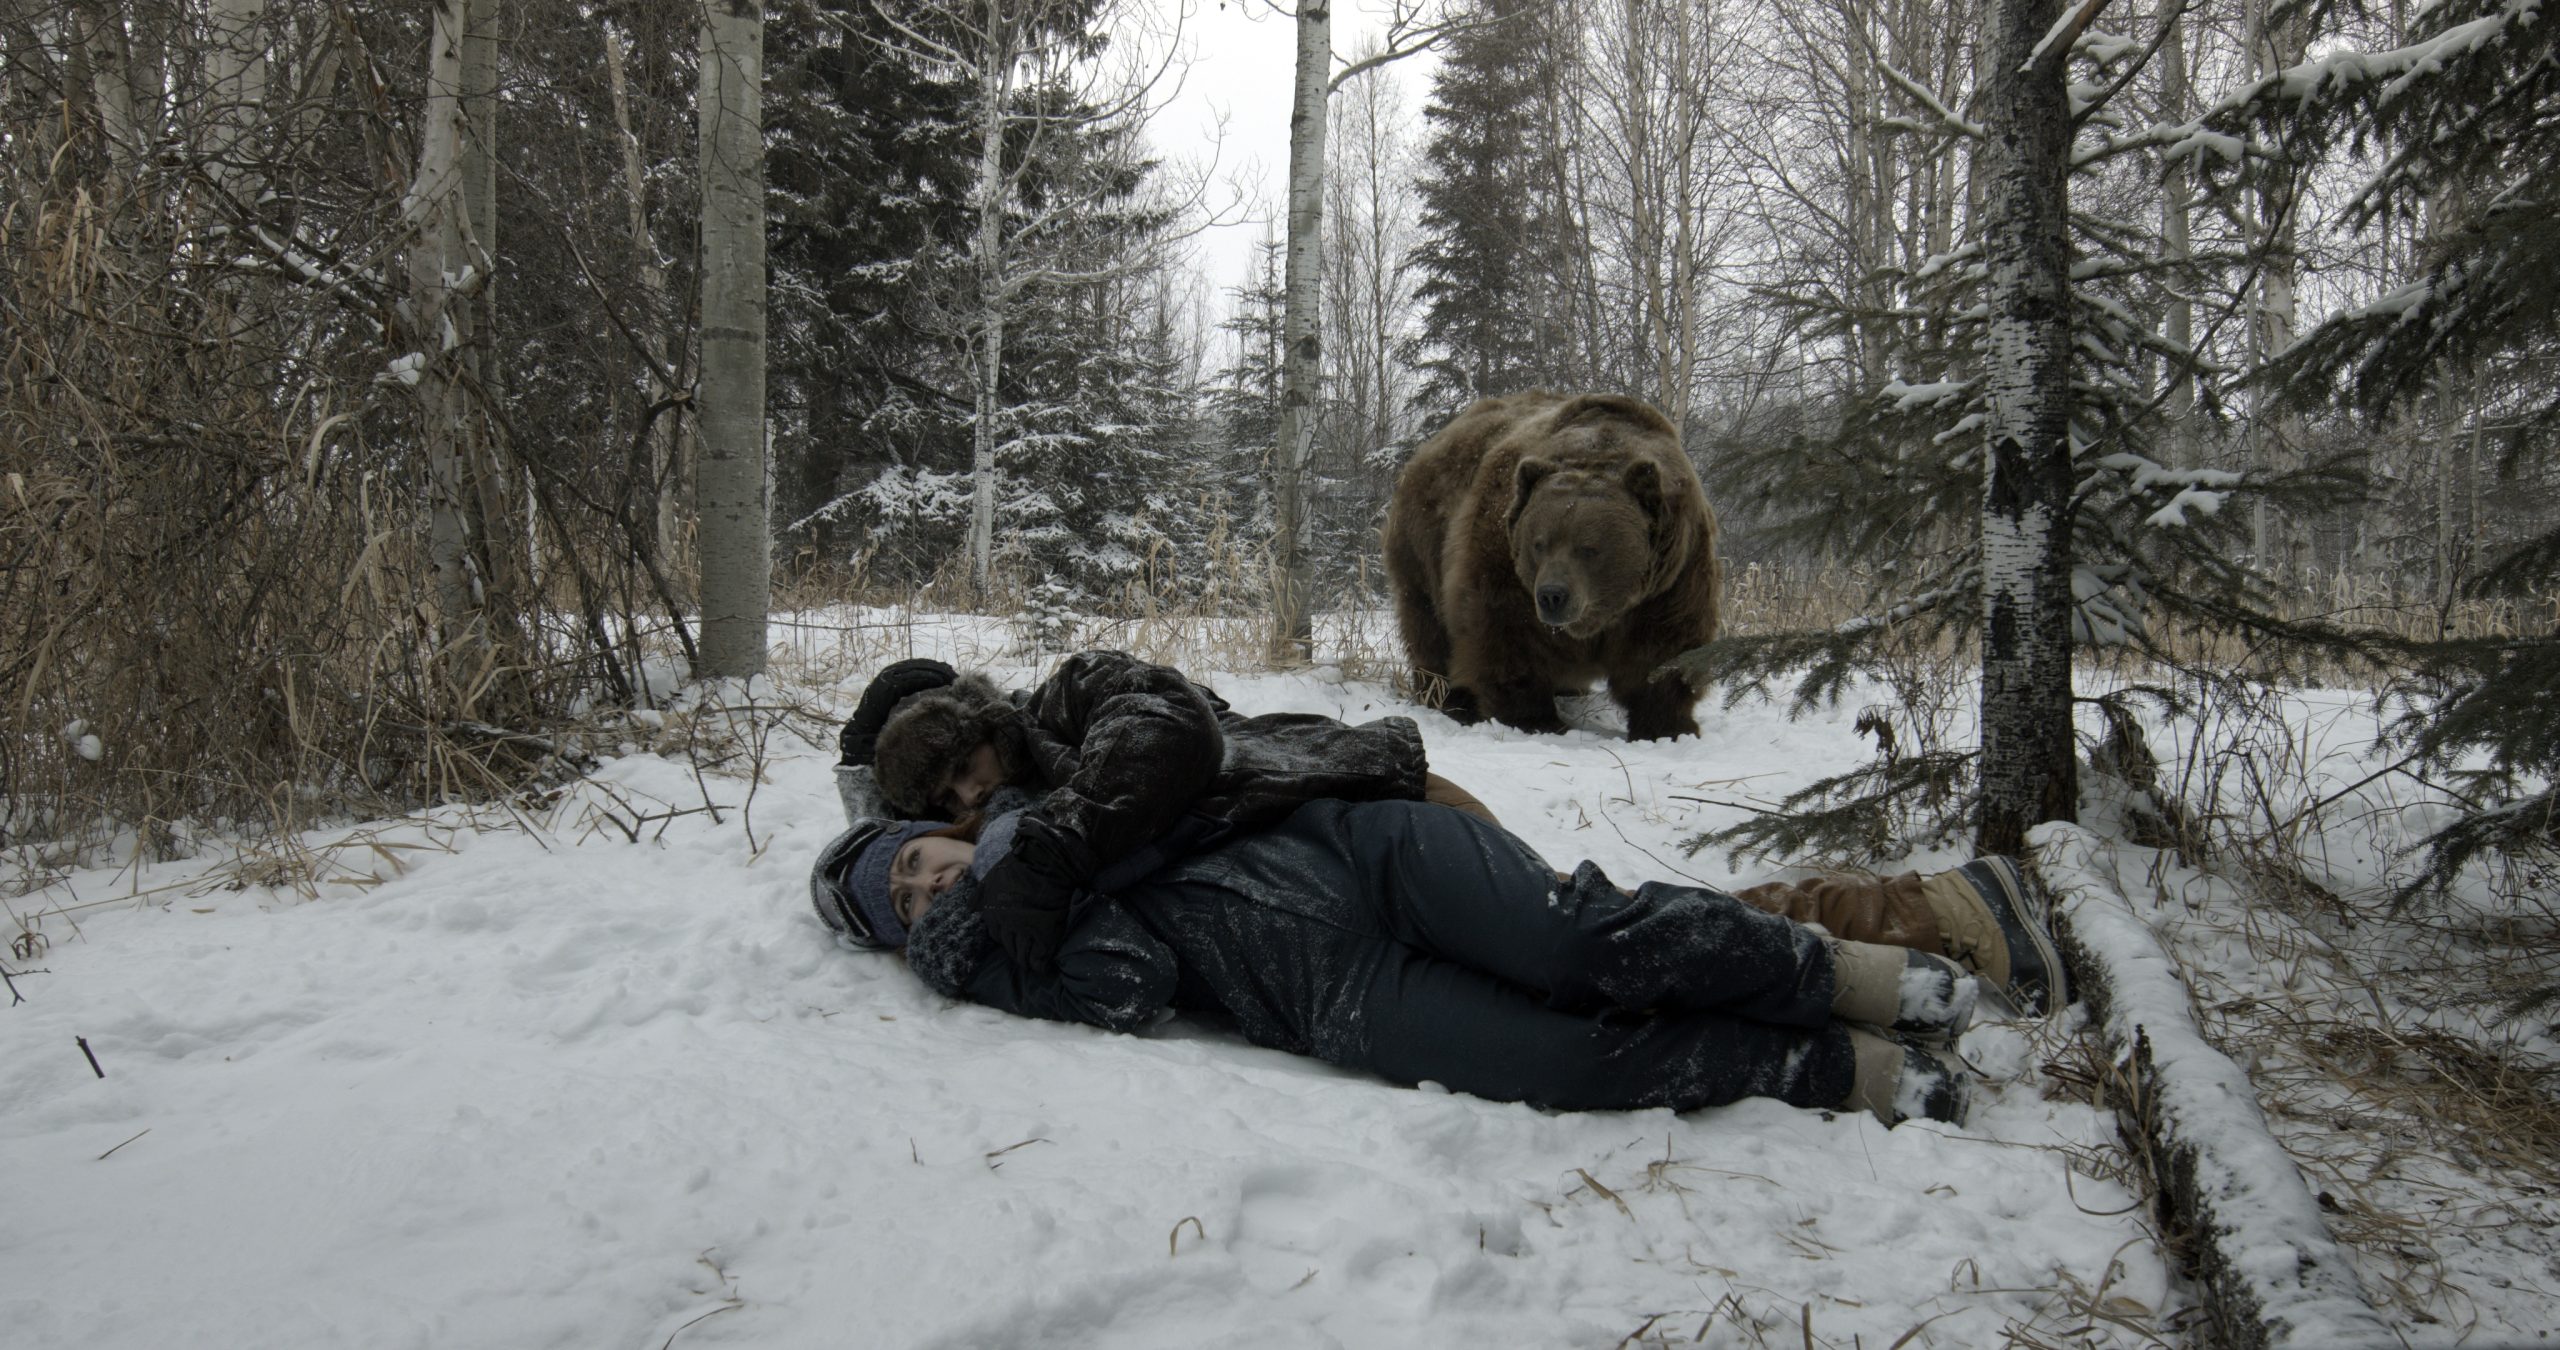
{"x": 1406, "y": 938}
{"x": 1421, "y": 943}
{"x": 1126, "y": 755}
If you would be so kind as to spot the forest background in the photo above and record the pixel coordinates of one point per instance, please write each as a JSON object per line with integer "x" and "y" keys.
{"x": 371, "y": 415}
{"x": 2138, "y": 408}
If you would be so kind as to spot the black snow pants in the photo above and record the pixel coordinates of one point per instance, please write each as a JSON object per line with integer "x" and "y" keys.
{"x": 1422, "y": 943}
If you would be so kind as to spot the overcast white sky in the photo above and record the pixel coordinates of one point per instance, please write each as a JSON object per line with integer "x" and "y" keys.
{"x": 1244, "y": 58}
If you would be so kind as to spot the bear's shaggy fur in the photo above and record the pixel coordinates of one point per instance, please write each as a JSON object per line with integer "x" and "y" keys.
{"x": 1541, "y": 540}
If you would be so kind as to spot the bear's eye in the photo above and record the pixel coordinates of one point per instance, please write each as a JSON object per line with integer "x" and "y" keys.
{"x": 1586, "y": 552}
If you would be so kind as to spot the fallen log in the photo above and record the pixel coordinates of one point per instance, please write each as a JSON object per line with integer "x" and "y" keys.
{"x": 2270, "y": 1275}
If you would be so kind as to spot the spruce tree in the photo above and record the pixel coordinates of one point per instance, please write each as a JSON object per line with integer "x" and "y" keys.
{"x": 867, "y": 172}
{"x": 2455, "y": 117}
{"x": 1486, "y": 219}
{"x": 1894, "y": 475}
{"x": 1245, "y": 400}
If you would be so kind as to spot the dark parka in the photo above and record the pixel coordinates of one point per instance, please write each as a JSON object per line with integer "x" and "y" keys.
{"x": 1421, "y": 943}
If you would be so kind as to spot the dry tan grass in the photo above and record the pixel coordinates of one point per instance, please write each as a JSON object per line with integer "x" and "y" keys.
{"x": 2420, "y": 1141}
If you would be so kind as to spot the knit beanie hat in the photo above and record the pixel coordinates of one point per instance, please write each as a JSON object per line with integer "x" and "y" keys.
{"x": 850, "y": 885}
{"x": 927, "y": 741}
{"x": 892, "y": 686}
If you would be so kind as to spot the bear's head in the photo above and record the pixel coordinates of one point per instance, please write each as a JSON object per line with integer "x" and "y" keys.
{"x": 1586, "y": 541}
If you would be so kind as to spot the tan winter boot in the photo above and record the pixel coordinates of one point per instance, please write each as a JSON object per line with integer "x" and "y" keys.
{"x": 1992, "y": 918}
{"x": 1907, "y": 991}
{"x": 1895, "y": 1081}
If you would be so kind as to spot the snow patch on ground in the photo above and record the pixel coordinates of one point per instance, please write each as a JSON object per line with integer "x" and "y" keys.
{"x": 543, "y": 1085}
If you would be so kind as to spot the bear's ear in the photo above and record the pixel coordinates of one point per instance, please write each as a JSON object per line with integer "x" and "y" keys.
{"x": 1644, "y": 483}
{"x": 1524, "y": 480}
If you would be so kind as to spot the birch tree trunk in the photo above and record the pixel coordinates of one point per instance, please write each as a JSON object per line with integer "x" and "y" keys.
{"x": 507, "y": 552}
{"x": 2273, "y": 46}
{"x": 2177, "y": 323}
{"x": 1861, "y": 208}
{"x": 995, "y": 88}
{"x": 235, "y": 64}
{"x": 2028, "y": 769}
{"x": 110, "y": 54}
{"x": 480, "y": 148}
{"x": 666, "y": 467}
{"x": 735, "y": 540}
{"x": 444, "y": 271}
{"x": 1293, "y": 578}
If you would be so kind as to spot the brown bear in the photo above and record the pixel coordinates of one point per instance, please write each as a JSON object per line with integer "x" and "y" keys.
{"x": 1540, "y": 540}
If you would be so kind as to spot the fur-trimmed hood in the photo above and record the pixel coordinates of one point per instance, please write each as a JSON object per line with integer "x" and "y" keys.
{"x": 928, "y": 740}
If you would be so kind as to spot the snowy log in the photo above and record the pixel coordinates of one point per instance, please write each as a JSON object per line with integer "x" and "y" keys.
{"x": 2272, "y": 1277}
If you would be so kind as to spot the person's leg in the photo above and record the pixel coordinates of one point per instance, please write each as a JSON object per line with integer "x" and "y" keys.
{"x": 1458, "y": 888}
{"x": 1440, "y": 791}
{"x": 1886, "y": 911}
{"x": 1987, "y": 916}
{"x": 1425, "y": 1018}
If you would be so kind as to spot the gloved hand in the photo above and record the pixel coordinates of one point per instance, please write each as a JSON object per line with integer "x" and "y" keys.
{"x": 886, "y": 691}
{"x": 1024, "y": 898}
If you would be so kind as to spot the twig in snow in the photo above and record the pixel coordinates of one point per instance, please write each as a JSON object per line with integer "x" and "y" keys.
{"x": 992, "y": 1164}
{"x": 104, "y": 1156}
{"x": 91, "y": 1055}
{"x": 725, "y": 1307}
{"x": 1604, "y": 1193}
{"x": 1657, "y": 858}
{"x": 1172, "y": 1240}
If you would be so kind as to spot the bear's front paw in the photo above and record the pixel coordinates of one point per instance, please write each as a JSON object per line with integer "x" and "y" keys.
{"x": 1661, "y": 727}
{"x": 1455, "y": 702}
{"x": 1536, "y": 715}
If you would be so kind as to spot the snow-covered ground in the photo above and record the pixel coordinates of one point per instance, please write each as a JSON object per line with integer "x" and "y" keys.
{"x": 2384, "y": 1042}
{"x": 592, "y": 1074}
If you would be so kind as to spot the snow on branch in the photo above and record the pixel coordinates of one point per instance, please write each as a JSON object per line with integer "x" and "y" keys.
{"x": 1948, "y": 120}
{"x": 1909, "y": 609}
{"x": 2349, "y": 71}
{"x": 1910, "y": 397}
{"x": 2149, "y": 473}
{"x": 2059, "y": 40}
{"x": 2175, "y": 513}
{"x": 2107, "y": 604}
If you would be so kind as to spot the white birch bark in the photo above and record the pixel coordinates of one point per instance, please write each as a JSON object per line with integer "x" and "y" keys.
{"x": 2177, "y": 324}
{"x": 2273, "y": 46}
{"x": 986, "y": 255}
{"x": 1301, "y": 338}
{"x": 667, "y": 438}
{"x": 443, "y": 271}
{"x": 235, "y": 67}
{"x": 509, "y": 550}
{"x": 322, "y": 45}
{"x": 2028, "y": 770}
{"x": 735, "y": 547}
{"x": 480, "y": 120}
{"x": 110, "y": 50}
{"x": 1862, "y": 211}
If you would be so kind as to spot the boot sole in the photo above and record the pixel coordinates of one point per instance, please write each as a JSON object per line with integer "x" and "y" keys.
{"x": 2027, "y": 904}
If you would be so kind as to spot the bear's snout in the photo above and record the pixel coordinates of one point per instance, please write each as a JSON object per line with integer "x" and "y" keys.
{"x": 1555, "y": 604}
